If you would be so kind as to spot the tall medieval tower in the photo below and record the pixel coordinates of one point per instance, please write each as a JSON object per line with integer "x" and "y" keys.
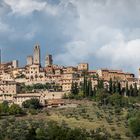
{"x": 36, "y": 55}
{"x": 48, "y": 60}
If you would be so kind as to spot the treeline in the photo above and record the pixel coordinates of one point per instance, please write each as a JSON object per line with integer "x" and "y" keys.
{"x": 111, "y": 88}
{"x": 29, "y": 106}
{"x": 105, "y": 93}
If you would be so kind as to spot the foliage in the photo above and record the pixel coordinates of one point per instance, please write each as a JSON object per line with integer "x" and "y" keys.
{"x": 102, "y": 96}
{"x": 15, "y": 109}
{"x": 118, "y": 100}
{"x": 134, "y": 125}
{"x": 4, "y": 108}
{"x": 74, "y": 88}
{"x": 39, "y": 86}
{"x": 38, "y": 130}
{"x": 32, "y": 104}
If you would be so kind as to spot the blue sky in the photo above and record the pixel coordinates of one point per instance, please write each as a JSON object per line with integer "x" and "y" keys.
{"x": 105, "y": 33}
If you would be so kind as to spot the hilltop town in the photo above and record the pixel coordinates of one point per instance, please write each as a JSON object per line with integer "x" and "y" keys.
{"x": 58, "y": 79}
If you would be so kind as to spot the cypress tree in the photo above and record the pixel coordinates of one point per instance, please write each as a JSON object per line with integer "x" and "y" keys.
{"x": 90, "y": 93}
{"x": 110, "y": 85}
{"x": 131, "y": 90}
{"x": 114, "y": 87}
{"x": 72, "y": 88}
{"x": 135, "y": 89}
{"x": 126, "y": 89}
{"x": 76, "y": 88}
{"x": 85, "y": 88}
{"x": 94, "y": 92}
{"x": 118, "y": 87}
{"x": 100, "y": 84}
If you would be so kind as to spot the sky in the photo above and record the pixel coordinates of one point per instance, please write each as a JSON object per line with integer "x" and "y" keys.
{"x": 104, "y": 33}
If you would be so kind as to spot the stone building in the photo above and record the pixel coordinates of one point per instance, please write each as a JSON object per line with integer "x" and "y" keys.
{"x": 83, "y": 66}
{"x": 107, "y": 74}
{"x": 15, "y": 63}
{"x": 29, "y": 60}
{"x": 34, "y": 74}
{"x": 68, "y": 79}
{"x": 8, "y": 89}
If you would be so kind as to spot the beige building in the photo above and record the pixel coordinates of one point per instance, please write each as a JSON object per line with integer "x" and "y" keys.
{"x": 106, "y": 74}
{"x": 34, "y": 74}
{"x": 68, "y": 79}
{"x": 43, "y": 97}
{"x": 15, "y": 63}
{"x": 8, "y": 89}
{"x": 70, "y": 69}
{"x": 83, "y": 66}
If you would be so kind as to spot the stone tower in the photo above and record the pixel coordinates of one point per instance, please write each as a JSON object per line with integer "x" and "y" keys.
{"x": 49, "y": 60}
{"x": 15, "y": 63}
{"x": 36, "y": 56}
{"x": 29, "y": 60}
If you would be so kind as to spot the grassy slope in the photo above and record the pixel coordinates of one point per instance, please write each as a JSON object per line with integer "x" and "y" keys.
{"x": 88, "y": 116}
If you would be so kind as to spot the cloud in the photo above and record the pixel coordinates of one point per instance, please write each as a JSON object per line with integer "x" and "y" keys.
{"x": 123, "y": 53}
{"x": 105, "y": 33}
{"x": 25, "y": 7}
{"x": 110, "y": 36}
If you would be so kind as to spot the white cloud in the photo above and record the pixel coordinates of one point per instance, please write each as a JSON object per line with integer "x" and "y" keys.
{"x": 121, "y": 53}
{"x": 109, "y": 30}
{"x": 24, "y": 7}
{"x": 103, "y": 32}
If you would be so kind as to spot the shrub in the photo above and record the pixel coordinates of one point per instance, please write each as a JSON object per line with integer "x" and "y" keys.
{"x": 33, "y": 112}
{"x": 134, "y": 125}
{"x": 32, "y": 104}
{"x": 15, "y": 109}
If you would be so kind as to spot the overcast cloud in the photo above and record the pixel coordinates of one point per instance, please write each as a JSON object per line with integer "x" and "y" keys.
{"x": 105, "y": 33}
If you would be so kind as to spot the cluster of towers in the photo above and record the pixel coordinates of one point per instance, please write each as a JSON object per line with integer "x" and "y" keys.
{"x": 36, "y": 58}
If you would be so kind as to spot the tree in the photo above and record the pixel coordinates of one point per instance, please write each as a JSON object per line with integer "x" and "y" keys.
{"x": 4, "y": 107}
{"x": 114, "y": 87}
{"x": 135, "y": 91}
{"x": 32, "y": 103}
{"x": 131, "y": 90}
{"x": 74, "y": 88}
{"x": 100, "y": 84}
{"x": 90, "y": 92}
{"x": 126, "y": 89}
{"x": 84, "y": 86}
{"x": 102, "y": 96}
{"x": 15, "y": 109}
{"x": 134, "y": 125}
{"x": 118, "y": 100}
{"x": 110, "y": 86}
{"x": 118, "y": 87}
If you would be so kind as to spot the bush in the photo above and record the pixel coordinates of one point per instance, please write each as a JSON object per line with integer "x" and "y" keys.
{"x": 134, "y": 125}
{"x": 33, "y": 112}
{"x": 4, "y": 108}
{"x": 15, "y": 109}
{"x": 118, "y": 100}
{"x": 32, "y": 104}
